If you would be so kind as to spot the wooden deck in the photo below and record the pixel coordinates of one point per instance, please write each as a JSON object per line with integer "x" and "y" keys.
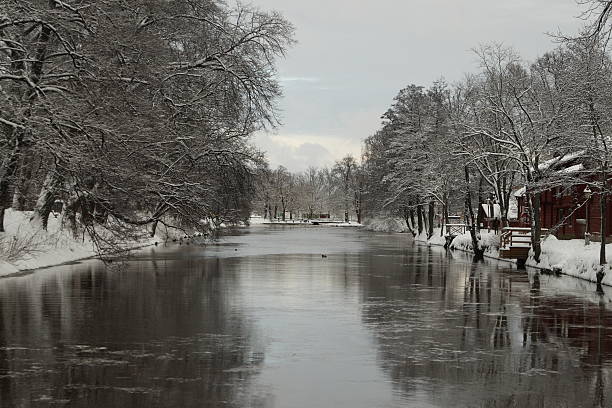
{"x": 516, "y": 243}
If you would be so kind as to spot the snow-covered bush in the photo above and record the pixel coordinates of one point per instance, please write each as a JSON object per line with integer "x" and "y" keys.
{"x": 19, "y": 245}
{"x": 488, "y": 242}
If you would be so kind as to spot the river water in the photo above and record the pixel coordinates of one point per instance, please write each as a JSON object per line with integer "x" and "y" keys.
{"x": 262, "y": 319}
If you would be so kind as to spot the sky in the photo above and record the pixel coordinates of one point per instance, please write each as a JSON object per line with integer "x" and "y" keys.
{"x": 352, "y": 58}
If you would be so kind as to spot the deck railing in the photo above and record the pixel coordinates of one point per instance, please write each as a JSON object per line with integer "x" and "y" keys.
{"x": 455, "y": 229}
{"x": 517, "y": 237}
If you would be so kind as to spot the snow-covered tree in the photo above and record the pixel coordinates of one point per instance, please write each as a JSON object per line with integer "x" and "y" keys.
{"x": 141, "y": 111}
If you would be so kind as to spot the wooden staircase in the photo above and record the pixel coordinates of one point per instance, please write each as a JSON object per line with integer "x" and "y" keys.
{"x": 515, "y": 243}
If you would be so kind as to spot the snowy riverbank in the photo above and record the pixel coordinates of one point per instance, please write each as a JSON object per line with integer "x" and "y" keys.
{"x": 308, "y": 223}
{"x": 573, "y": 258}
{"x": 570, "y": 257}
{"x": 24, "y": 246}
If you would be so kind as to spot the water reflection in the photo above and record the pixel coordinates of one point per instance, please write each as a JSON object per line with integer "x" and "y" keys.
{"x": 262, "y": 320}
{"x": 489, "y": 337}
{"x": 137, "y": 337}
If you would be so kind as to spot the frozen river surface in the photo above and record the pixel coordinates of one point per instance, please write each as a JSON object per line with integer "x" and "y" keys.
{"x": 263, "y": 320}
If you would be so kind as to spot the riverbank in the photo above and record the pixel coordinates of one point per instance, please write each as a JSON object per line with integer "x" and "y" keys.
{"x": 568, "y": 257}
{"x": 25, "y": 247}
{"x": 311, "y": 223}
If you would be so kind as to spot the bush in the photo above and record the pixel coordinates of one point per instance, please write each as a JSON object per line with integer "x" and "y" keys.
{"x": 18, "y": 246}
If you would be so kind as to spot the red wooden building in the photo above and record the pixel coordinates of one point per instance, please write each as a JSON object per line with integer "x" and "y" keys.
{"x": 570, "y": 212}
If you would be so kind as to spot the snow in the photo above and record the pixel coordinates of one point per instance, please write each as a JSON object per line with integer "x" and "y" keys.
{"x": 573, "y": 169}
{"x": 323, "y": 223}
{"x": 436, "y": 239}
{"x": 345, "y": 224}
{"x": 7, "y": 268}
{"x": 39, "y": 248}
{"x": 560, "y": 160}
{"x": 573, "y": 258}
{"x": 488, "y": 241}
{"x": 56, "y": 246}
{"x": 257, "y": 220}
{"x": 520, "y": 192}
{"x": 570, "y": 257}
{"x": 513, "y": 208}
{"x": 496, "y": 211}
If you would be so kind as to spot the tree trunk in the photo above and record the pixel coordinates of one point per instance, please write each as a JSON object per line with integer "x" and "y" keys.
{"x": 284, "y": 208}
{"x": 479, "y": 214}
{"x": 408, "y": 217}
{"x": 7, "y": 173}
{"x": 603, "y": 220}
{"x": 357, "y": 203}
{"x": 471, "y": 221}
{"x": 602, "y": 206}
{"x": 602, "y": 249}
{"x": 69, "y": 214}
{"x": 154, "y": 228}
{"x": 46, "y": 198}
{"x": 430, "y": 215}
{"x": 536, "y": 225}
{"x": 420, "y": 218}
{"x": 24, "y": 182}
{"x": 444, "y": 214}
{"x": 411, "y": 214}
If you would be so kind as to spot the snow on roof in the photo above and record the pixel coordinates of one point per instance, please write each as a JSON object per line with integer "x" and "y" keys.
{"x": 520, "y": 192}
{"x": 496, "y": 211}
{"x": 573, "y": 169}
{"x": 560, "y": 160}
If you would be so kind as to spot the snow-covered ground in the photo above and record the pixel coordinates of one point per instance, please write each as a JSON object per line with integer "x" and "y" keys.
{"x": 573, "y": 258}
{"x": 24, "y": 247}
{"x": 488, "y": 241}
{"x": 436, "y": 238}
{"x": 301, "y": 222}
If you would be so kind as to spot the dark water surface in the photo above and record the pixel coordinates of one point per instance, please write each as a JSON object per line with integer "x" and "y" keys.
{"x": 263, "y": 320}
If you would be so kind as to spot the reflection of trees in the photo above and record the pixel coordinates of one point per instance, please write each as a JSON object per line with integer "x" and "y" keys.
{"x": 159, "y": 333}
{"x": 473, "y": 335}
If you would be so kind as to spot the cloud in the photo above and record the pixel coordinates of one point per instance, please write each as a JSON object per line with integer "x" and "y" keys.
{"x": 298, "y": 79}
{"x": 297, "y": 152}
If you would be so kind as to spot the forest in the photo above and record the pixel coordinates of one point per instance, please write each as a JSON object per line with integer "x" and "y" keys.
{"x": 511, "y": 124}
{"x": 132, "y": 114}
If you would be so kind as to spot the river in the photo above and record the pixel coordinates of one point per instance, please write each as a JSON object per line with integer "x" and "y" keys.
{"x": 302, "y": 317}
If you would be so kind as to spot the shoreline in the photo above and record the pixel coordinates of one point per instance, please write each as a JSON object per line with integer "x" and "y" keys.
{"x": 26, "y": 271}
{"x": 62, "y": 256}
{"x": 580, "y": 270}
